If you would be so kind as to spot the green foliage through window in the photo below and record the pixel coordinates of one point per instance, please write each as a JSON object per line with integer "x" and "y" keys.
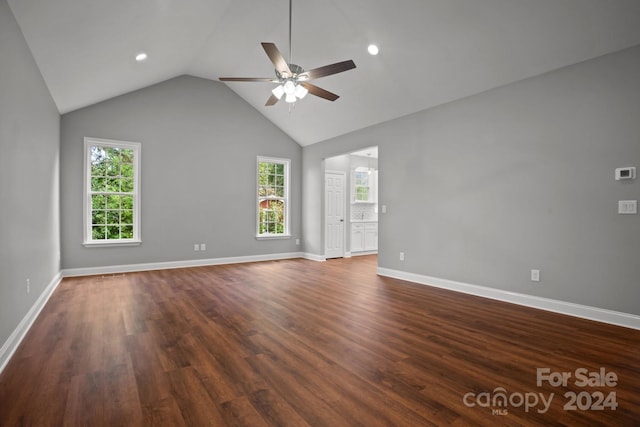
{"x": 272, "y": 196}
{"x": 361, "y": 186}
{"x": 112, "y": 192}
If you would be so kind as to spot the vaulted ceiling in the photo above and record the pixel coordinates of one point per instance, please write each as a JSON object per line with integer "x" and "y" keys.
{"x": 431, "y": 51}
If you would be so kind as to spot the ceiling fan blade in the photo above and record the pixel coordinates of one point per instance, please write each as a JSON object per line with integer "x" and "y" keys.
{"x": 327, "y": 70}
{"x": 278, "y": 60}
{"x": 318, "y": 91}
{"x": 248, "y": 79}
{"x": 271, "y": 101}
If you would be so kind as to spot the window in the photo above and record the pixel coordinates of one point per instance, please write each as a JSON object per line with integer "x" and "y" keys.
{"x": 112, "y": 192}
{"x": 361, "y": 185}
{"x": 273, "y": 197}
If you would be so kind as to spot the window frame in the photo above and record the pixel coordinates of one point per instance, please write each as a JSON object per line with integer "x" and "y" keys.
{"x": 286, "y": 199}
{"x": 88, "y": 240}
{"x": 359, "y": 188}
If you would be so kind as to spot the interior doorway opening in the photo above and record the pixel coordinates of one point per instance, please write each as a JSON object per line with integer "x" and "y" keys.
{"x": 351, "y": 204}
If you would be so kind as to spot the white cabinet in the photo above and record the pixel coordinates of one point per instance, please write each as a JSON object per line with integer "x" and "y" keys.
{"x": 370, "y": 236}
{"x": 357, "y": 237}
{"x": 364, "y": 236}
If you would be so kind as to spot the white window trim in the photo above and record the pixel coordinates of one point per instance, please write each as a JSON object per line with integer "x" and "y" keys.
{"x": 287, "y": 212}
{"x": 87, "y": 240}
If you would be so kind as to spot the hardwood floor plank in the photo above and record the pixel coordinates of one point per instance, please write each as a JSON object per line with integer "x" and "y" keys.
{"x": 150, "y": 377}
{"x": 308, "y": 403}
{"x": 302, "y": 343}
{"x": 241, "y": 413}
{"x": 121, "y": 405}
{"x": 86, "y": 398}
{"x": 163, "y": 412}
{"x": 233, "y": 368}
{"x": 196, "y": 406}
{"x": 342, "y": 387}
{"x": 275, "y": 410}
{"x": 211, "y": 373}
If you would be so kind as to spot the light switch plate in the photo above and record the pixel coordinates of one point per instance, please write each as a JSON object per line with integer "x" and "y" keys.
{"x": 626, "y": 173}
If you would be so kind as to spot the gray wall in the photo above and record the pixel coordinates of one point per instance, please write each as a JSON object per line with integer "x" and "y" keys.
{"x": 199, "y": 147}
{"x": 29, "y": 185}
{"x": 484, "y": 189}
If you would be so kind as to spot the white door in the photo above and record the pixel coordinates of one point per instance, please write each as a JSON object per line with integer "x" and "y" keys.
{"x": 334, "y": 202}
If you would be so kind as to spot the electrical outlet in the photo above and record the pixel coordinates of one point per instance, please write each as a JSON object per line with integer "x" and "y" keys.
{"x": 535, "y": 275}
{"x": 196, "y": 247}
{"x": 401, "y": 256}
{"x": 628, "y": 207}
{"x": 297, "y": 242}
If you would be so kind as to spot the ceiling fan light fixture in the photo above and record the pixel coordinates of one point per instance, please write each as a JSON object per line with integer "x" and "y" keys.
{"x": 289, "y": 76}
{"x": 278, "y": 91}
{"x": 290, "y": 98}
{"x": 301, "y": 91}
{"x": 289, "y": 87}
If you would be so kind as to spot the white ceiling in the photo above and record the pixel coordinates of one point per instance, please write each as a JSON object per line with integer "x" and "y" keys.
{"x": 431, "y": 51}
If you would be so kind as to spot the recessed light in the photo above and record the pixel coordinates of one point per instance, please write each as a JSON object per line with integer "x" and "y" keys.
{"x": 373, "y": 49}
{"x": 141, "y": 57}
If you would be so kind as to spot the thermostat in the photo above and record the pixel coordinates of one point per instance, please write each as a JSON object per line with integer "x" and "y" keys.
{"x": 625, "y": 173}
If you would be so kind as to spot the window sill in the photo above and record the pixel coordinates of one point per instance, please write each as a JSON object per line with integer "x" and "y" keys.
{"x": 111, "y": 244}
{"x": 273, "y": 237}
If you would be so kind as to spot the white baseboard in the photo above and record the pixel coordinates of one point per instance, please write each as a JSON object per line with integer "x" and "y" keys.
{"x": 571, "y": 309}
{"x": 314, "y": 257}
{"x": 16, "y": 337}
{"x": 129, "y": 268}
{"x": 362, "y": 253}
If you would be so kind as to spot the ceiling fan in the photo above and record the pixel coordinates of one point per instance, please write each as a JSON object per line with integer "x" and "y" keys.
{"x": 293, "y": 80}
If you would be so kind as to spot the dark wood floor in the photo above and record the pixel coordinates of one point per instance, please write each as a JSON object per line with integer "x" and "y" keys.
{"x": 296, "y": 343}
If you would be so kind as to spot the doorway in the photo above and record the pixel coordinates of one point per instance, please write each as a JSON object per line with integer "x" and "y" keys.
{"x": 351, "y": 204}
